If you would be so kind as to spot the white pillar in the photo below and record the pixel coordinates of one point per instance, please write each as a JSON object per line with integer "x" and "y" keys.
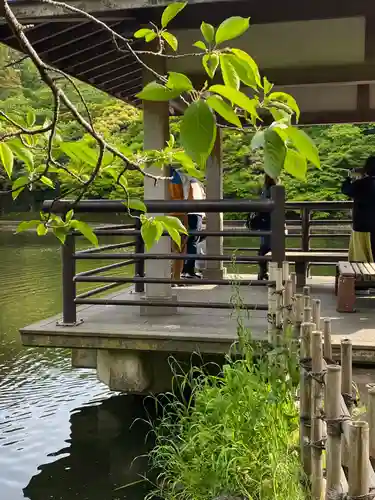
{"x": 214, "y": 221}
{"x": 156, "y": 134}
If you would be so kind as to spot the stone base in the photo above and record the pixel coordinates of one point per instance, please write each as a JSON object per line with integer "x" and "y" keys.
{"x": 215, "y": 274}
{"x": 161, "y": 310}
{"x": 84, "y": 358}
{"x": 125, "y": 371}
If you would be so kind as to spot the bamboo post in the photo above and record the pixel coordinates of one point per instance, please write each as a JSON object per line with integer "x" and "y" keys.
{"x": 371, "y": 419}
{"x": 333, "y": 415}
{"x": 298, "y": 315}
{"x": 286, "y": 271}
{"x": 316, "y": 308}
{"x": 306, "y": 296}
{"x": 317, "y": 396}
{"x": 293, "y": 277}
{"x": 271, "y": 313}
{"x": 327, "y": 329}
{"x": 305, "y": 397}
{"x": 279, "y": 304}
{"x": 306, "y": 290}
{"x": 272, "y": 266}
{"x": 358, "y": 478}
{"x": 347, "y": 372}
{"x": 307, "y": 315}
{"x": 288, "y": 308}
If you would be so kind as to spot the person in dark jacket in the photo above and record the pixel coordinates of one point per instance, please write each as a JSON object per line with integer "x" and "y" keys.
{"x": 265, "y": 241}
{"x": 362, "y": 190}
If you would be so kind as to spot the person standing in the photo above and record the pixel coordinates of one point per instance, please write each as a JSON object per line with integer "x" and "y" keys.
{"x": 360, "y": 186}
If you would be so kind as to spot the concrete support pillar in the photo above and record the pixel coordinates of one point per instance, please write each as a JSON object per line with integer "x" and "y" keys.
{"x": 156, "y": 134}
{"x": 214, "y": 221}
{"x": 84, "y": 358}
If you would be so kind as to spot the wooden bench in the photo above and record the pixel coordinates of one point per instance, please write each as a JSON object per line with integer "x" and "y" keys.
{"x": 352, "y": 276}
{"x": 302, "y": 259}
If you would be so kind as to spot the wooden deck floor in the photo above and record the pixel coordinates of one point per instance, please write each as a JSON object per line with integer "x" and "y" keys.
{"x": 204, "y": 330}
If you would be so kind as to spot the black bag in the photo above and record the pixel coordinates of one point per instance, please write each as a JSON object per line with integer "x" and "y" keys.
{"x": 258, "y": 221}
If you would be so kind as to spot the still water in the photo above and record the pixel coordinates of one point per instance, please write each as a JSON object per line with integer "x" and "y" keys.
{"x": 63, "y": 436}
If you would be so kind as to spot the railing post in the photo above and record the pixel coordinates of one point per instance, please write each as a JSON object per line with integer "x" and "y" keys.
{"x": 278, "y": 225}
{"x": 305, "y": 244}
{"x": 69, "y": 285}
{"x": 140, "y": 263}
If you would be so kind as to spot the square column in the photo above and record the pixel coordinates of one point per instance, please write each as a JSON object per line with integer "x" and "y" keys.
{"x": 156, "y": 135}
{"x": 214, "y": 221}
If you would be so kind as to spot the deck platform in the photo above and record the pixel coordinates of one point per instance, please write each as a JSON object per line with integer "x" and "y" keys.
{"x": 204, "y": 330}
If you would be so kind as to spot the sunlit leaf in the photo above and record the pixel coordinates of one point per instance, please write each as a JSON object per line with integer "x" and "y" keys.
{"x": 236, "y": 97}
{"x": 295, "y": 164}
{"x": 247, "y": 69}
{"x": 135, "y": 204}
{"x": 86, "y": 230}
{"x": 186, "y": 162}
{"x": 179, "y": 81}
{"x": 232, "y": 27}
{"x": 170, "y": 39}
{"x": 198, "y": 131}
{"x": 304, "y": 145}
{"x": 208, "y": 31}
{"x": 69, "y": 215}
{"x": 19, "y": 185}
{"x": 173, "y": 222}
{"x": 286, "y": 99}
{"x": 210, "y": 63}
{"x": 27, "y": 224}
{"x": 80, "y": 151}
{"x": 228, "y": 72}
{"x": 41, "y": 229}
{"x": 149, "y": 233}
{"x": 47, "y": 181}
{"x": 150, "y": 36}
{"x": 224, "y": 109}
{"x": 154, "y": 91}
{"x": 142, "y": 33}
{"x": 30, "y": 118}
{"x": 267, "y": 86}
{"x": 171, "y": 12}
{"x": 274, "y": 153}
{"x": 6, "y": 158}
{"x": 257, "y": 140}
{"x": 200, "y": 45}
{"x": 60, "y": 233}
{"x": 22, "y": 153}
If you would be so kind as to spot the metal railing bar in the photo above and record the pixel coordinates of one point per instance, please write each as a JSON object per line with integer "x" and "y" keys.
{"x": 162, "y": 256}
{"x": 192, "y": 281}
{"x": 153, "y": 303}
{"x": 233, "y": 233}
{"x": 329, "y": 235}
{"x": 98, "y": 290}
{"x": 107, "y": 247}
{"x": 105, "y": 268}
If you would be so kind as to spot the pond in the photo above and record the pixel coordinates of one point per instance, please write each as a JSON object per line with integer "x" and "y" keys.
{"x": 63, "y": 436}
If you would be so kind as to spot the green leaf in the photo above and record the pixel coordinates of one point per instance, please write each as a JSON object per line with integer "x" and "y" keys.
{"x": 229, "y": 73}
{"x": 304, "y": 145}
{"x": 267, "y": 86}
{"x": 19, "y": 185}
{"x": 186, "y": 162}
{"x": 30, "y": 118}
{"x": 236, "y": 97}
{"x": 47, "y": 181}
{"x": 150, "y": 36}
{"x": 295, "y": 164}
{"x": 78, "y": 150}
{"x": 171, "y": 222}
{"x": 6, "y": 158}
{"x": 27, "y": 224}
{"x": 198, "y": 131}
{"x": 60, "y": 233}
{"x": 154, "y": 91}
{"x": 86, "y": 230}
{"x": 286, "y": 99}
{"x": 200, "y": 45}
{"x": 171, "y": 12}
{"x": 149, "y": 233}
{"x": 210, "y": 63}
{"x": 224, "y": 110}
{"x": 22, "y": 153}
{"x": 69, "y": 215}
{"x": 208, "y": 31}
{"x": 135, "y": 204}
{"x": 247, "y": 69}
{"x": 175, "y": 235}
{"x": 142, "y": 33}
{"x": 170, "y": 39}
{"x": 41, "y": 229}
{"x": 232, "y": 27}
{"x": 179, "y": 81}
{"x": 258, "y": 140}
{"x": 274, "y": 153}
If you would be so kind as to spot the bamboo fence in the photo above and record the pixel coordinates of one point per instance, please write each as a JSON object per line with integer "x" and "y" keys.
{"x": 336, "y": 450}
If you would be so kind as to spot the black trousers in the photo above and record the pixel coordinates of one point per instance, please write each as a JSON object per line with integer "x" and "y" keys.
{"x": 194, "y": 224}
{"x": 265, "y": 247}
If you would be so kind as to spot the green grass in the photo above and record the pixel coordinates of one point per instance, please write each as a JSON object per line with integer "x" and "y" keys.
{"x": 235, "y": 436}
